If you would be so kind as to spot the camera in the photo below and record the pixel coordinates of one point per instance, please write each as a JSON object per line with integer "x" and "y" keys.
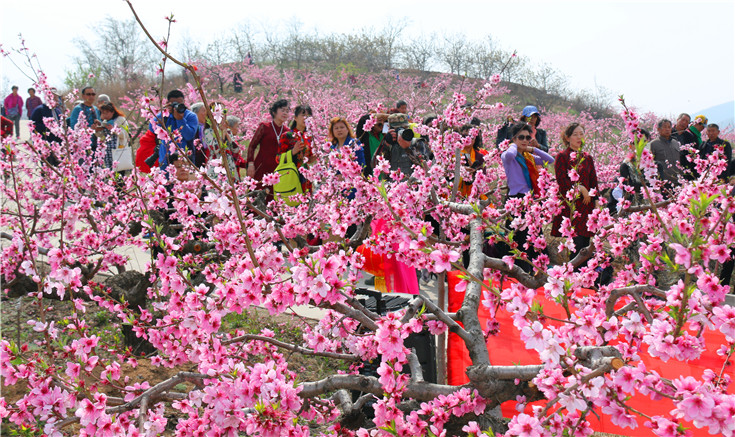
{"x": 151, "y": 160}
{"x": 178, "y": 107}
{"x": 405, "y": 133}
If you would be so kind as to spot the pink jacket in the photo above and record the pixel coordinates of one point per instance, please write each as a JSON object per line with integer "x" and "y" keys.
{"x": 13, "y": 101}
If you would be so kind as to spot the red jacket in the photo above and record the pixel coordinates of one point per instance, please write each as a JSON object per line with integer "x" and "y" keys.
{"x": 7, "y": 127}
{"x": 146, "y": 149}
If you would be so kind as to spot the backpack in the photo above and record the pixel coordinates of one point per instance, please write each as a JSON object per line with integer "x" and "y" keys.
{"x": 289, "y": 183}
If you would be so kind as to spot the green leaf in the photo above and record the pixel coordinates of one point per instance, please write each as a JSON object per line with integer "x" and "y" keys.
{"x": 390, "y": 428}
{"x": 707, "y": 200}
{"x": 382, "y": 190}
{"x": 639, "y": 147}
{"x": 665, "y": 258}
{"x": 537, "y": 307}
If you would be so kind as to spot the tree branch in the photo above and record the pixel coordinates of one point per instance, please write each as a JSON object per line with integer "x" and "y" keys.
{"x": 488, "y": 372}
{"x": 475, "y": 340}
{"x": 422, "y": 391}
{"x": 291, "y": 347}
{"x": 516, "y": 272}
{"x": 152, "y": 394}
{"x": 431, "y": 307}
{"x": 417, "y": 374}
{"x": 634, "y": 291}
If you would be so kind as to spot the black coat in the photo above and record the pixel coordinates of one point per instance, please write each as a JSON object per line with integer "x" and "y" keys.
{"x": 41, "y": 112}
{"x": 708, "y": 148}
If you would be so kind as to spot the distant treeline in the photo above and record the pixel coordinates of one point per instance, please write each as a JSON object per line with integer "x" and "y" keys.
{"x": 121, "y": 53}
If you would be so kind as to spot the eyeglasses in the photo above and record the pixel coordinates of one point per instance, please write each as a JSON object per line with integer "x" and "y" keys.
{"x": 524, "y": 137}
{"x": 90, "y": 94}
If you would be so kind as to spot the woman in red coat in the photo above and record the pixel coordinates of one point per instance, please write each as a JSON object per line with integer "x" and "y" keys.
{"x": 267, "y": 139}
{"x": 575, "y": 172}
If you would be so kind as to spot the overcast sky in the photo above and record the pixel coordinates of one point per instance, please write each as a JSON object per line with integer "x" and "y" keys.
{"x": 666, "y": 57}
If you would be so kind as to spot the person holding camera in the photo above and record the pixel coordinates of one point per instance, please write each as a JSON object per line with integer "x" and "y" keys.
{"x": 400, "y": 146}
{"x": 372, "y": 138}
{"x": 112, "y": 117}
{"x": 181, "y": 124}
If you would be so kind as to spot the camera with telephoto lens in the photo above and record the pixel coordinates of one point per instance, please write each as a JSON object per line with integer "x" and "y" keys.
{"x": 178, "y": 107}
{"x": 405, "y": 133}
{"x": 151, "y": 160}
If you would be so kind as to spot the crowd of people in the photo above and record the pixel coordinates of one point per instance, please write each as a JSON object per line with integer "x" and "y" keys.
{"x": 110, "y": 126}
{"x": 279, "y": 146}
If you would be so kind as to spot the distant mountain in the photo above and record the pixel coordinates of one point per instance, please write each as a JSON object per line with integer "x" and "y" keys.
{"x": 723, "y": 115}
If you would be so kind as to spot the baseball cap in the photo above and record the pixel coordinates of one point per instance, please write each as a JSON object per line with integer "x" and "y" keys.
{"x": 529, "y": 111}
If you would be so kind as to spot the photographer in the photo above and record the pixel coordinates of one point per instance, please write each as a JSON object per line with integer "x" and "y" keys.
{"x": 400, "y": 146}
{"x": 180, "y": 120}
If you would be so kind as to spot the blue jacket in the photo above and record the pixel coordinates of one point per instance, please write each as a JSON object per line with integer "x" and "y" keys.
{"x": 359, "y": 153}
{"x": 188, "y": 127}
{"x": 91, "y": 113}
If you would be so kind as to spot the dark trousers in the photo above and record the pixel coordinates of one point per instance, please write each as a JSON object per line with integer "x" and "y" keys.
{"x": 16, "y": 122}
{"x": 579, "y": 244}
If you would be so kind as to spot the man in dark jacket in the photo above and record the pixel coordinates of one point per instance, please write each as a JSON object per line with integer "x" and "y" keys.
{"x": 531, "y": 116}
{"x": 684, "y": 136}
{"x": 714, "y": 142}
{"x": 666, "y": 153}
{"x": 40, "y": 113}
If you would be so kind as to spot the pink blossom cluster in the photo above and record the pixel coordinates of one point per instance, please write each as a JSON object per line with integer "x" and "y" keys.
{"x": 76, "y": 217}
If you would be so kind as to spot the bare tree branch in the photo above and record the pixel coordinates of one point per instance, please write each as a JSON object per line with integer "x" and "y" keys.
{"x": 634, "y": 291}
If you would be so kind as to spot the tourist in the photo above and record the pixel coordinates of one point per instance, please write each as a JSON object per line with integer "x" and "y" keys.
{"x": 113, "y": 118}
{"x": 266, "y": 139}
{"x": 180, "y": 120}
{"x": 666, "y": 153}
{"x": 32, "y": 102}
{"x": 13, "y": 106}
{"x": 575, "y": 171}
{"x": 714, "y": 142}
{"x": 520, "y": 162}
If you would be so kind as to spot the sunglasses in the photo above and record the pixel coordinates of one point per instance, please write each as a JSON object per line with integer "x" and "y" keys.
{"x": 90, "y": 94}
{"x": 524, "y": 137}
